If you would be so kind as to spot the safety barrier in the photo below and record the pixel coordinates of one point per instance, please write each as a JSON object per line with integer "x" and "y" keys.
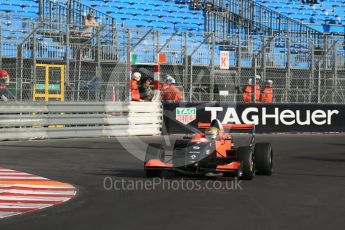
{"x": 268, "y": 118}
{"x": 72, "y": 119}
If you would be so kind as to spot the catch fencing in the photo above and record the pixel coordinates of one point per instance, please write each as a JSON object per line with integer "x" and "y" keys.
{"x": 99, "y": 68}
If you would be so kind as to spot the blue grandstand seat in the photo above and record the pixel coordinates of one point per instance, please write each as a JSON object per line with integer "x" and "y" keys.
{"x": 166, "y": 16}
{"x": 151, "y": 13}
{"x": 315, "y": 15}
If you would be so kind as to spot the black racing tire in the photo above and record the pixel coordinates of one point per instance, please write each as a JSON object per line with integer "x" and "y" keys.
{"x": 246, "y": 157}
{"x": 154, "y": 151}
{"x": 153, "y": 173}
{"x": 179, "y": 153}
{"x": 264, "y": 158}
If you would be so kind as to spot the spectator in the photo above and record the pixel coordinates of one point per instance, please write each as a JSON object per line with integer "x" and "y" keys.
{"x": 267, "y": 94}
{"x": 248, "y": 91}
{"x": 4, "y": 82}
{"x": 310, "y": 1}
{"x": 338, "y": 19}
{"x": 134, "y": 86}
{"x": 165, "y": 83}
{"x": 171, "y": 92}
{"x": 146, "y": 92}
{"x": 89, "y": 24}
{"x": 332, "y": 21}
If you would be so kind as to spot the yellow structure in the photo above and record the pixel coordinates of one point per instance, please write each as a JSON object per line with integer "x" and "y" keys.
{"x": 46, "y": 86}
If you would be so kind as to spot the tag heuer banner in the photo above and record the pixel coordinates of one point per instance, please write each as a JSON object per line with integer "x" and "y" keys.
{"x": 184, "y": 117}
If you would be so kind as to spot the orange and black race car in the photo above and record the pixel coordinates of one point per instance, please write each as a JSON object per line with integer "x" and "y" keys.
{"x": 212, "y": 152}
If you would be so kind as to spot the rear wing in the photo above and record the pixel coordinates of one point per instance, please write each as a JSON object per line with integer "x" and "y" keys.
{"x": 229, "y": 126}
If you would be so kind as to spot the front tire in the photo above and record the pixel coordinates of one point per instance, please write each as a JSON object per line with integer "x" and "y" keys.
{"x": 153, "y": 173}
{"x": 264, "y": 158}
{"x": 246, "y": 157}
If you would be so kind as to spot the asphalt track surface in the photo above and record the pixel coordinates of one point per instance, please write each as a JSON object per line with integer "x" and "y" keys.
{"x": 306, "y": 191}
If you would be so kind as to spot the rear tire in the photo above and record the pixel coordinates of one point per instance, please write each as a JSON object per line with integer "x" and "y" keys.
{"x": 264, "y": 158}
{"x": 246, "y": 157}
{"x": 154, "y": 152}
{"x": 179, "y": 153}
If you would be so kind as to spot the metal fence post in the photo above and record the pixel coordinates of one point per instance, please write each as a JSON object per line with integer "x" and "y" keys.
{"x": 19, "y": 75}
{"x": 67, "y": 69}
{"x": 129, "y": 65}
{"x": 34, "y": 62}
{"x": 98, "y": 59}
{"x": 238, "y": 60}
{"x": 263, "y": 60}
{"x": 288, "y": 73}
{"x": 319, "y": 84}
{"x": 185, "y": 72}
{"x": 156, "y": 52}
{"x": 312, "y": 71}
{"x": 335, "y": 77}
{"x": 212, "y": 67}
{"x": 254, "y": 77}
{"x": 1, "y": 46}
{"x": 80, "y": 54}
{"x": 41, "y": 10}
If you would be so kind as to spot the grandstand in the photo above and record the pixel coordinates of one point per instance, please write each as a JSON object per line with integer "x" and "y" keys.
{"x": 327, "y": 16}
{"x": 299, "y": 46}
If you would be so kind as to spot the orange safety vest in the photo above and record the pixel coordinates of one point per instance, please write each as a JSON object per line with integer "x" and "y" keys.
{"x": 134, "y": 90}
{"x": 171, "y": 93}
{"x": 247, "y": 93}
{"x": 164, "y": 86}
{"x": 267, "y": 95}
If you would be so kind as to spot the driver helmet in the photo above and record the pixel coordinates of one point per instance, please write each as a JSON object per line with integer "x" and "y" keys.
{"x": 211, "y": 133}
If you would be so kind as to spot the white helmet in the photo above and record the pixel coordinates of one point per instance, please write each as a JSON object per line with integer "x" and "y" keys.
{"x": 270, "y": 82}
{"x": 257, "y": 77}
{"x": 167, "y": 77}
{"x": 170, "y": 80}
{"x": 250, "y": 81}
{"x": 136, "y": 76}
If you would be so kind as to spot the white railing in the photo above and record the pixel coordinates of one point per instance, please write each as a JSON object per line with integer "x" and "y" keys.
{"x": 68, "y": 120}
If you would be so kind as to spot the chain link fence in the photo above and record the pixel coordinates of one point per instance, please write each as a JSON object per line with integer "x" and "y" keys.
{"x": 99, "y": 68}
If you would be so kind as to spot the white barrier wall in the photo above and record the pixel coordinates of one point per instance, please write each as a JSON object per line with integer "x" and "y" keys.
{"x": 28, "y": 120}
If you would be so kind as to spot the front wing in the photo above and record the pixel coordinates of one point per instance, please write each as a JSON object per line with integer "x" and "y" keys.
{"x": 157, "y": 164}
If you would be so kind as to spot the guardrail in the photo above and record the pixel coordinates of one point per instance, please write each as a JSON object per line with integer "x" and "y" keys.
{"x": 68, "y": 120}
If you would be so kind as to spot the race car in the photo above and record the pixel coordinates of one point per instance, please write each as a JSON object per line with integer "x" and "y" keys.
{"x": 212, "y": 152}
